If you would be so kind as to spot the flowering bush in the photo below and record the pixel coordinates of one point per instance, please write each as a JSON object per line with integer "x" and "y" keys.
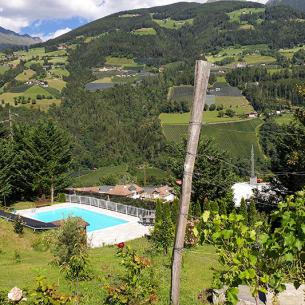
{"x": 135, "y": 286}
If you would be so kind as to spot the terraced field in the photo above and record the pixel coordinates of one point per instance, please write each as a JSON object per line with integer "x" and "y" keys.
{"x": 237, "y": 138}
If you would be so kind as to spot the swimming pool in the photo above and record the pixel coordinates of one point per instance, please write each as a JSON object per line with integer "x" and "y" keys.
{"x": 96, "y": 220}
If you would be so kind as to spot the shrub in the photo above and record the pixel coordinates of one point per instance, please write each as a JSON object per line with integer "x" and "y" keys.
{"x": 230, "y": 113}
{"x": 136, "y": 285}
{"x": 61, "y": 197}
{"x": 70, "y": 249}
{"x": 212, "y": 107}
{"x": 47, "y": 294}
{"x": 18, "y": 225}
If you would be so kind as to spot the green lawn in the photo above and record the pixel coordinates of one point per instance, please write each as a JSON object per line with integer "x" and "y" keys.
{"x": 237, "y": 138}
{"x": 173, "y": 24}
{"x": 196, "y": 270}
{"x": 145, "y": 31}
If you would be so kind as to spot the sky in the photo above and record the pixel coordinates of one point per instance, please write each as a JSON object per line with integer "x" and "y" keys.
{"x": 51, "y": 18}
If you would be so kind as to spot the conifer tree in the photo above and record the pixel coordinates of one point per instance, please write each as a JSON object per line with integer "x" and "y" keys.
{"x": 196, "y": 209}
{"x": 49, "y": 151}
{"x": 6, "y": 179}
{"x": 243, "y": 209}
{"x": 214, "y": 206}
{"x": 174, "y": 210}
{"x": 252, "y": 213}
{"x": 163, "y": 233}
{"x": 206, "y": 205}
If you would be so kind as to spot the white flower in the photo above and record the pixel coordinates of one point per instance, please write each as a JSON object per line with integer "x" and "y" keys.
{"x": 15, "y": 295}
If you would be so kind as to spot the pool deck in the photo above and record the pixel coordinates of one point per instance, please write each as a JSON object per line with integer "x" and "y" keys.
{"x": 108, "y": 236}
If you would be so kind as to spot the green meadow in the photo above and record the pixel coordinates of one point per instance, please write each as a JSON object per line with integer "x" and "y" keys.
{"x": 172, "y": 24}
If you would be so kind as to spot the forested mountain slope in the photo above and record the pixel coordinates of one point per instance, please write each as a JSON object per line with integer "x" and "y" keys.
{"x": 296, "y": 4}
{"x": 122, "y": 124}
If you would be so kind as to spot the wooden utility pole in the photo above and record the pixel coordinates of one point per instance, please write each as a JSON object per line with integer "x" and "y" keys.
{"x": 202, "y": 73}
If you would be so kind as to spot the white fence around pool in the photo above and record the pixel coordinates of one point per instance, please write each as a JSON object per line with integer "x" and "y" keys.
{"x": 109, "y": 205}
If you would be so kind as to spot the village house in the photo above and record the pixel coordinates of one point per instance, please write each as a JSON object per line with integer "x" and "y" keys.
{"x": 240, "y": 65}
{"x": 164, "y": 193}
{"x": 253, "y": 114}
{"x": 129, "y": 190}
{"x": 136, "y": 192}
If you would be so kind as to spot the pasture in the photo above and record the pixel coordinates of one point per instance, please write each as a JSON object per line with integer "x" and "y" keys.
{"x": 56, "y": 83}
{"x": 289, "y": 52}
{"x": 284, "y": 118}
{"x": 235, "y": 15}
{"x": 25, "y": 75}
{"x": 237, "y": 138}
{"x": 145, "y": 31}
{"x": 59, "y": 72}
{"x": 31, "y": 93}
{"x": 239, "y": 104}
{"x": 173, "y": 24}
{"x": 124, "y": 62}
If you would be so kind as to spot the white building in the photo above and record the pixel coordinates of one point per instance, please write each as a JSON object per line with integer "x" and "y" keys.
{"x": 246, "y": 190}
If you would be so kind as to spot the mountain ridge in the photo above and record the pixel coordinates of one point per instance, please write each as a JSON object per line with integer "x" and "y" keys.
{"x": 9, "y": 39}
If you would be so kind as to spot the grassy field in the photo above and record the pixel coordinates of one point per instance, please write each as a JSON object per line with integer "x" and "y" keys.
{"x": 237, "y": 103}
{"x": 145, "y": 31}
{"x": 60, "y": 72}
{"x": 25, "y": 75}
{"x": 120, "y": 61}
{"x": 173, "y": 24}
{"x": 56, "y": 83}
{"x": 3, "y": 69}
{"x": 22, "y": 272}
{"x": 94, "y": 177}
{"x": 43, "y": 104}
{"x": 258, "y": 59}
{"x": 235, "y": 15}
{"x": 284, "y": 119}
{"x": 236, "y": 137}
{"x": 290, "y": 52}
{"x": 236, "y": 52}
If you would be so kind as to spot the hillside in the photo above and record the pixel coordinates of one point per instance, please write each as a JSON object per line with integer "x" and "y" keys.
{"x": 10, "y": 39}
{"x": 296, "y": 4}
{"x": 116, "y": 74}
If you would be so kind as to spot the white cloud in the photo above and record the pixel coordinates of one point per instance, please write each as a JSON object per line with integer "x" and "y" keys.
{"x": 57, "y": 33}
{"x": 16, "y": 14}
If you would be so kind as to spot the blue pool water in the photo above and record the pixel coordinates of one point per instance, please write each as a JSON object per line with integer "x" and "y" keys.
{"x": 97, "y": 221}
